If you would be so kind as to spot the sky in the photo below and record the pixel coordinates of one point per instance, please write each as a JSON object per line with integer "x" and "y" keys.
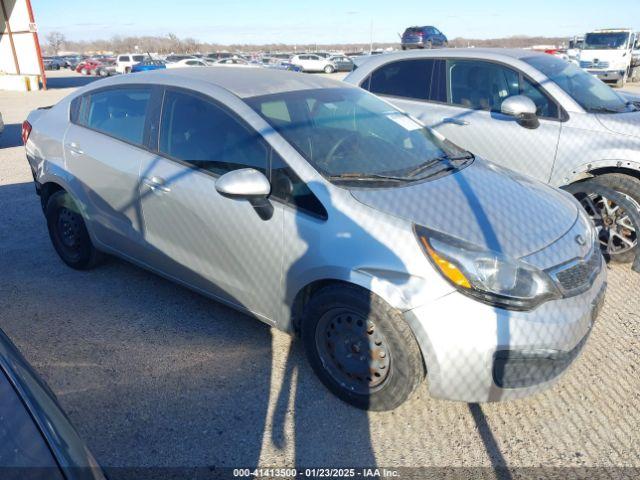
{"x": 328, "y": 21}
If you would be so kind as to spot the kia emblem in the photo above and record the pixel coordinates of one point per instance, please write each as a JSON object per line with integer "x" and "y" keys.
{"x": 580, "y": 240}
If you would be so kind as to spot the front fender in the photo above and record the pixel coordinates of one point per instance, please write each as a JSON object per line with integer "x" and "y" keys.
{"x": 585, "y": 170}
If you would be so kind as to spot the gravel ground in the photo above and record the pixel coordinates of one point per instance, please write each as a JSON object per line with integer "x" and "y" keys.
{"x": 155, "y": 375}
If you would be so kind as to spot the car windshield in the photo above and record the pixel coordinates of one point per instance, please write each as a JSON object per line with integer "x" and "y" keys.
{"x": 589, "y": 92}
{"x": 349, "y": 135}
{"x": 605, "y": 41}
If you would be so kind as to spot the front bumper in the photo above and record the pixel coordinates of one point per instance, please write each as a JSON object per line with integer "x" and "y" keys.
{"x": 478, "y": 353}
{"x": 607, "y": 75}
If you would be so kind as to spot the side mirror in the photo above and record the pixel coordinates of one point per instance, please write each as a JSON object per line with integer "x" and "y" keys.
{"x": 246, "y": 183}
{"x": 523, "y": 109}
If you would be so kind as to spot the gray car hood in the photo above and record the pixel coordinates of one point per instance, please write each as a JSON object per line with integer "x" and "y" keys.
{"x": 624, "y": 123}
{"x": 484, "y": 204}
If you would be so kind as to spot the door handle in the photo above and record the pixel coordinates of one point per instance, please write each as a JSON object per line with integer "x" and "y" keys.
{"x": 74, "y": 148}
{"x": 156, "y": 184}
{"x": 455, "y": 121}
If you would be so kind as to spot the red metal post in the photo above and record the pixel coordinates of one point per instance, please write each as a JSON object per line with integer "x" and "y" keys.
{"x": 37, "y": 42}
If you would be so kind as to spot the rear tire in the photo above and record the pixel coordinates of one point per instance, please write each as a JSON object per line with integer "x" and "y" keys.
{"x": 69, "y": 234}
{"x": 428, "y": 45}
{"x": 329, "y": 69}
{"x": 361, "y": 348}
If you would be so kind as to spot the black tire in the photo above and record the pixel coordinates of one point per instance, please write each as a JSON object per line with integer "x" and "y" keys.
{"x": 620, "y": 182}
{"x": 403, "y": 47}
{"x": 329, "y": 69}
{"x": 594, "y": 190}
{"x": 428, "y": 45}
{"x": 366, "y": 317}
{"x": 68, "y": 233}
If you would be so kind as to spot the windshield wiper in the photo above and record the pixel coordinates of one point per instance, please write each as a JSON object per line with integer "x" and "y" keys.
{"x": 433, "y": 161}
{"x": 361, "y": 176}
{"x": 605, "y": 110}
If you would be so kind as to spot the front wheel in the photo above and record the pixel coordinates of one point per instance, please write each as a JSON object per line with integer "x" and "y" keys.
{"x": 69, "y": 234}
{"x": 615, "y": 216}
{"x": 361, "y": 348}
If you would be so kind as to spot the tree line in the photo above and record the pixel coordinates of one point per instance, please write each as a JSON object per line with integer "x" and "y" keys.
{"x": 56, "y": 42}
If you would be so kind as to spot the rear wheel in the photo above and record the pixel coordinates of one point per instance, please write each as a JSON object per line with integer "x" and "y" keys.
{"x": 428, "y": 44}
{"x": 361, "y": 348}
{"x": 68, "y": 232}
{"x": 329, "y": 69}
{"x": 615, "y": 216}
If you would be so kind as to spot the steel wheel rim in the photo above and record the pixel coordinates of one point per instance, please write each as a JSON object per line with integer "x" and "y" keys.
{"x": 69, "y": 230}
{"x": 353, "y": 350}
{"x": 616, "y": 232}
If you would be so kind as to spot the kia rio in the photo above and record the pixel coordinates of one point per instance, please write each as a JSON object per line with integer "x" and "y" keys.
{"x": 322, "y": 210}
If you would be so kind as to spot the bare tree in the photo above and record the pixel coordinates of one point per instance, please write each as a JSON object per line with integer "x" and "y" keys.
{"x": 56, "y": 40}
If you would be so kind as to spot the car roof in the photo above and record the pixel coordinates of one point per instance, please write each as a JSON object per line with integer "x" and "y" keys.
{"x": 480, "y": 53}
{"x": 242, "y": 82}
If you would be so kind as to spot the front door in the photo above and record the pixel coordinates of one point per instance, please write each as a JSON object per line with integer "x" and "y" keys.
{"x": 461, "y": 99}
{"x": 219, "y": 245}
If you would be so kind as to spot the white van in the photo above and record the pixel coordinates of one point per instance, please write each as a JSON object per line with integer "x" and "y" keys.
{"x": 125, "y": 61}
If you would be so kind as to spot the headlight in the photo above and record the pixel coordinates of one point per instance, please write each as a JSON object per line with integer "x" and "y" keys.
{"x": 485, "y": 275}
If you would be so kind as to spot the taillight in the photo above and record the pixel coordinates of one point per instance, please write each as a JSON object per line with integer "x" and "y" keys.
{"x": 26, "y": 131}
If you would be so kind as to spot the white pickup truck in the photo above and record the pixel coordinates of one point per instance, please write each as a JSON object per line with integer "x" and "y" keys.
{"x": 609, "y": 55}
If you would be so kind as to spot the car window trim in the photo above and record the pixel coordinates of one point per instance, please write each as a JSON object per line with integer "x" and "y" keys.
{"x": 563, "y": 115}
{"x": 270, "y": 150}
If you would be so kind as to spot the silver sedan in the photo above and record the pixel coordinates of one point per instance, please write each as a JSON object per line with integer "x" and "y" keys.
{"x": 323, "y": 210}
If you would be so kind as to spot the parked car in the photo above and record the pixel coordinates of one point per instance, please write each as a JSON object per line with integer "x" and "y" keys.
{"x": 188, "y": 62}
{"x": 52, "y": 63}
{"x": 88, "y": 67}
{"x": 72, "y": 61}
{"x": 106, "y": 68}
{"x": 320, "y": 208}
{"x": 1, "y": 124}
{"x": 231, "y": 62}
{"x": 342, "y": 63}
{"x": 147, "y": 65}
{"x": 124, "y": 63}
{"x": 176, "y": 58}
{"x": 37, "y": 439}
{"x": 283, "y": 65}
{"x": 423, "y": 37}
{"x": 309, "y": 62}
{"x": 531, "y": 112}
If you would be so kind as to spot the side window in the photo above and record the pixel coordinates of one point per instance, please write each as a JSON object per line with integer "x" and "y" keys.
{"x": 119, "y": 112}
{"x": 484, "y": 86}
{"x": 546, "y": 108}
{"x": 201, "y": 133}
{"x": 287, "y": 187}
{"x": 480, "y": 85}
{"x": 420, "y": 79}
{"x": 123, "y": 58}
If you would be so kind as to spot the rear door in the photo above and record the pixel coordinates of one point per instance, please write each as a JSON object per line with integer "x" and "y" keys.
{"x": 461, "y": 99}
{"x": 104, "y": 149}
{"x": 218, "y": 245}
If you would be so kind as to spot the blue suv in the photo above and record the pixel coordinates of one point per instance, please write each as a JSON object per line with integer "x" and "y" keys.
{"x": 423, "y": 37}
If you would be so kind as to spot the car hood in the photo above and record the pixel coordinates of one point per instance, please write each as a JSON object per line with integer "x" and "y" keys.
{"x": 489, "y": 206}
{"x": 624, "y": 123}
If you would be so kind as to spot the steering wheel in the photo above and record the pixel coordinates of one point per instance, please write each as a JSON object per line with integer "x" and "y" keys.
{"x": 339, "y": 144}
